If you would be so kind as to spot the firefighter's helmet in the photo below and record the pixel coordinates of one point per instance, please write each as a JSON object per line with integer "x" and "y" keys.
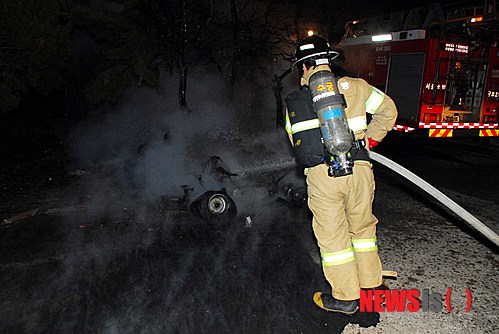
{"x": 312, "y": 49}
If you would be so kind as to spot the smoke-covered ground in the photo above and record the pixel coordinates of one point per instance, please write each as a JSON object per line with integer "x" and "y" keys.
{"x": 96, "y": 266}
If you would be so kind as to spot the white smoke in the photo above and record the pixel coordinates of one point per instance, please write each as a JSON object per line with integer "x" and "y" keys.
{"x": 147, "y": 147}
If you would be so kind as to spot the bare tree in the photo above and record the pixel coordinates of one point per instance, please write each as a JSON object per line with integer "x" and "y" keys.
{"x": 178, "y": 28}
{"x": 140, "y": 38}
{"x": 251, "y": 34}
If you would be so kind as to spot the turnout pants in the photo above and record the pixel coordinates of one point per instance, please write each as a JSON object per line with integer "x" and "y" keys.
{"x": 345, "y": 228}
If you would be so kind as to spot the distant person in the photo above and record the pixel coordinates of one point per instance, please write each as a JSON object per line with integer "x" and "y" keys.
{"x": 340, "y": 197}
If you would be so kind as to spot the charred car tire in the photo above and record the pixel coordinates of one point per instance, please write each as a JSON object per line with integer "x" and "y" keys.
{"x": 214, "y": 206}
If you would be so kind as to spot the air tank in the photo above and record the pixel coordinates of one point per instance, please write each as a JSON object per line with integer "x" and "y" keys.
{"x": 329, "y": 105}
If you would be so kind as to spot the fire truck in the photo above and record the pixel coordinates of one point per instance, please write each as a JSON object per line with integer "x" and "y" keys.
{"x": 440, "y": 68}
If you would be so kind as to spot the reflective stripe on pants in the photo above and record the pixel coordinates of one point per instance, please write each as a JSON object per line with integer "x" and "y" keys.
{"x": 337, "y": 258}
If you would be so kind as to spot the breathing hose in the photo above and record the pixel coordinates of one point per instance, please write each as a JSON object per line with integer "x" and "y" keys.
{"x": 456, "y": 208}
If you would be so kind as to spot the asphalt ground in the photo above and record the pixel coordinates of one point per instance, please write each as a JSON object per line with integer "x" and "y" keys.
{"x": 174, "y": 273}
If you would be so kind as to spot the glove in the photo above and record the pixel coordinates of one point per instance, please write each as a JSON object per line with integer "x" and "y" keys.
{"x": 372, "y": 143}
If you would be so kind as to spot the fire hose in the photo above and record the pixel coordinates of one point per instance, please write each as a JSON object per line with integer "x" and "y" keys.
{"x": 449, "y": 203}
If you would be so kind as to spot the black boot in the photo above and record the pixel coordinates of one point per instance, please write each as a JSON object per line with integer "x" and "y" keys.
{"x": 329, "y": 303}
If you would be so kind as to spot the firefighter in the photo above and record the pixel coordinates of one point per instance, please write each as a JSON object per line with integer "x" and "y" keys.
{"x": 341, "y": 204}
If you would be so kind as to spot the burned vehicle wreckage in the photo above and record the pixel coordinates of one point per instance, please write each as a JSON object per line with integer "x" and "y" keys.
{"x": 205, "y": 163}
{"x": 245, "y": 193}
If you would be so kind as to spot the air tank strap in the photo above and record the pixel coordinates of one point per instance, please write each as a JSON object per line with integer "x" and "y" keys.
{"x": 359, "y": 151}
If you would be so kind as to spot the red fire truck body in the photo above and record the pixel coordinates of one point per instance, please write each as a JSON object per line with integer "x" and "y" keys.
{"x": 445, "y": 84}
